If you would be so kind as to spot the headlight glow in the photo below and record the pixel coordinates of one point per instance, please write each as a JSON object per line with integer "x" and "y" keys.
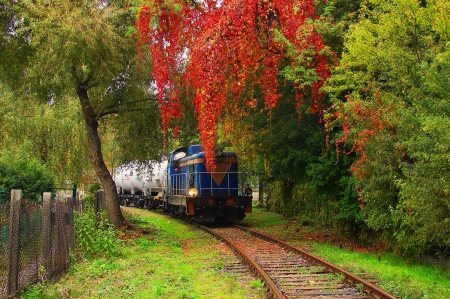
{"x": 193, "y": 192}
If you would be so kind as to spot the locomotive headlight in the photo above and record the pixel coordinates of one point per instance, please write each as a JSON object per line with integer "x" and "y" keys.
{"x": 193, "y": 192}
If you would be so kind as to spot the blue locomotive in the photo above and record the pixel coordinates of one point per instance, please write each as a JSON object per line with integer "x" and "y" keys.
{"x": 203, "y": 195}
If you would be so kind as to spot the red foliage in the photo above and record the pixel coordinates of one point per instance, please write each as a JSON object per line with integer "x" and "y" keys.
{"x": 368, "y": 119}
{"x": 219, "y": 47}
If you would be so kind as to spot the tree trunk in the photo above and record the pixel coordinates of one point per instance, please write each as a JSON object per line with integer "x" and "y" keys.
{"x": 96, "y": 157}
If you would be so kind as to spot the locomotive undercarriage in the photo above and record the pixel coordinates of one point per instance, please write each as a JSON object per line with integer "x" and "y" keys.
{"x": 208, "y": 209}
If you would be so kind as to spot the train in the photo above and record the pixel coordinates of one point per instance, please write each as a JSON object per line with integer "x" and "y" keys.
{"x": 140, "y": 185}
{"x": 202, "y": 195}
{"x": 189, "y": 189}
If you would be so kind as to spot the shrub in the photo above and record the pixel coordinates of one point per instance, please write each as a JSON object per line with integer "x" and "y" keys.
{"x": 29, "y": 175}
{"x": 94, "y": 235}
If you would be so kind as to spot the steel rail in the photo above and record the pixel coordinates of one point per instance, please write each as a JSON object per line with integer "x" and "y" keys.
{"x": 369, "y": 288}
{"x": 268, "y": 281}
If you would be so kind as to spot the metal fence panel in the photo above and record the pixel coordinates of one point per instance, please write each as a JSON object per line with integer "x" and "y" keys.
{"x": 35, "y": 241}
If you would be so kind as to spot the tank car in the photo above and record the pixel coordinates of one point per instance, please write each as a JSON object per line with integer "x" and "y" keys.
{"x": 140, "y": 185}
{"x": 205, "y": 196}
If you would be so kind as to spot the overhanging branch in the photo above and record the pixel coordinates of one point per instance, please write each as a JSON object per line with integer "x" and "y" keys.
{"x": 114, "y": 109}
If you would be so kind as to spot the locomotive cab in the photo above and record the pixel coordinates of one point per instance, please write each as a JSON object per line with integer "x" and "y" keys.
{"x": 203, "y": 195}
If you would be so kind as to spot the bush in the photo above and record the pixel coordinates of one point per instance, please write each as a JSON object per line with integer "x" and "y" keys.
{"x": 29, "y": 175}
{"x": 94, "y": 236}
{"x": 94, "y": 187}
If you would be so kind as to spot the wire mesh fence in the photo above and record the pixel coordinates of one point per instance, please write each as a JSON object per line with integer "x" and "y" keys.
{"x": 35, "y": 240}
{"x": 4, "y": 241}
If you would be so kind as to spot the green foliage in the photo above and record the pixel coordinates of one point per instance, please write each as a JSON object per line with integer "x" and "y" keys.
{"x": 27, "y": 174}
{"x": 257, "y": 284}
{"x": 334, "y": 201}
{"x": 85, "y": 39}
{"x": 304, "y": 180}
{"x": 291, "y": 141}
{"x": 34, "y": 291}
{"x": 391, "y": 92}
{"x": 54, "y": 134}
{"x": 102, "y": 267}
{"x": 278, "y": 199}
{"x": 93, "y": 187}
{"x": 94, "y": 236}
{"x": 77, "y": 54}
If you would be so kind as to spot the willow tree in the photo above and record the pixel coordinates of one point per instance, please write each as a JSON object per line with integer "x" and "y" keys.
{"x": 79, "y": 50}
{"x": 54, "y": 135}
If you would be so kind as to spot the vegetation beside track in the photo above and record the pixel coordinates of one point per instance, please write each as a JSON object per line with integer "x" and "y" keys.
{"x": 163, "y": 258}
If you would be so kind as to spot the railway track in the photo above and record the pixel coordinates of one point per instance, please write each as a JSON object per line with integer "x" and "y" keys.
{"x": 289, "y": 272}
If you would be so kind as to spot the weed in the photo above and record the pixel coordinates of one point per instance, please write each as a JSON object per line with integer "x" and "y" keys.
{"x": 102, "y": 267}
{"x": 340, "y": 277}
{"x": 257, "y": 284}
{"x": 360, "y": 287}
{"x": 331, "y": 276}
{"x": 145, "y": 244}
{"x": 95, "y": 237}
{"x": 136, "y": 219}
{"x": 34, "y": 291}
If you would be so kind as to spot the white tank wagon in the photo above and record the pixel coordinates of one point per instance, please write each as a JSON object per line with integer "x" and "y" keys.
{"x": 140, "y": 185}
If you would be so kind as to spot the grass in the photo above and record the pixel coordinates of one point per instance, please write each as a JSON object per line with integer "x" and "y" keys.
{"x": 172, "y": 260}
{"x": 406, "y": 279}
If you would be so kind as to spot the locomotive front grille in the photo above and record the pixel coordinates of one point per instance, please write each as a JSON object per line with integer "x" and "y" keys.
{"x": 205, "y": 184}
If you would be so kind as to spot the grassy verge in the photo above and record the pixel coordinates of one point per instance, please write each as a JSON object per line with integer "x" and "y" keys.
{"x": 166, "y": 259}
{"x": 405, "y": 279}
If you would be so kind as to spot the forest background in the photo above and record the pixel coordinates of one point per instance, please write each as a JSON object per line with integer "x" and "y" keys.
{"x": 362, "y": 146}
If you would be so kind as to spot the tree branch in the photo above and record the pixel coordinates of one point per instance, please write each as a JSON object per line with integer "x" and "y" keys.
{"x": 105, "y": 113}
{"x": 114, "y": 109}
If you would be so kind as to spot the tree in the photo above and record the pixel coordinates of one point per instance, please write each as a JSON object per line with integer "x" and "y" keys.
{"x": 80, "y": 49}
{"x": 53, "y": 134}
{"x": 26, "y": 173}
{"x": 391, "y": 93}
{"x": 227, "y": 50}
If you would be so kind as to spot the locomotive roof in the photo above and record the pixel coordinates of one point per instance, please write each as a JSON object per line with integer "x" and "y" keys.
{"x": 224, "y": 155}
{"x": 196, "y": 151}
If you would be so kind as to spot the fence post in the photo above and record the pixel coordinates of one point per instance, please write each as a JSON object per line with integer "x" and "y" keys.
{"x": 74, "y": 191}
{"x": 70, "y": 223}
{"x": 47, "y": 233}
{"x": 62, "y": 246}
{"x": 96, "y": 201}
{"x": 14, "y": 253}
{"x": 99, "y": 202}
